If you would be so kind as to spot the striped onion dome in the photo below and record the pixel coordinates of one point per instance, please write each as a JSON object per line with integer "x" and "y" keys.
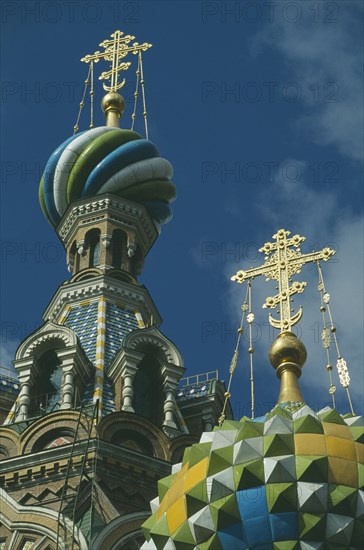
{"x": 107, "y": 160}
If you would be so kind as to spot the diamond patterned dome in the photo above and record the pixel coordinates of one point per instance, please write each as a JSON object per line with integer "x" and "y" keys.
{"x": 292, "y": 479}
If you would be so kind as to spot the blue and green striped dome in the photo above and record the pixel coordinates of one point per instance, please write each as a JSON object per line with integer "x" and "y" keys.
{"x": 107, "y": 160}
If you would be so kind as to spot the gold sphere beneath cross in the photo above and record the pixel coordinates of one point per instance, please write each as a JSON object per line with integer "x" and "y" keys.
{"x": 113, "y": 105}
{"x": 113, "y": 100}
{"x": 287, "y": 355}
{"x": 287, "y": 348}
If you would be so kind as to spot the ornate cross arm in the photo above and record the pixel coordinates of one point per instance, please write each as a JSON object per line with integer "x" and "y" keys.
{"x": 109, "y": 74}
{"x": 242, "y": 276}
{"x": 114, "y": 50}
{"x": 273, "y": 301}
{"x": 281, "y": 235}
{"x": 281, "y": 264}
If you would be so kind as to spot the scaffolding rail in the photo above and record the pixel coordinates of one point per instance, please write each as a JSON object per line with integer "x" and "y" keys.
{"x": 199, "y": 378}
{"x": 64, "y": 503}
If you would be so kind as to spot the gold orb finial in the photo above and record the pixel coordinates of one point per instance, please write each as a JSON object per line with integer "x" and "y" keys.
{"x": 113, "y": 105}
{"x": 288, "y": 355}
{"x": 287, "y": 348}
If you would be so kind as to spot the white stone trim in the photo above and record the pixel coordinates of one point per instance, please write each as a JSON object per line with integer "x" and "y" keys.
{"x": 153, "y": 336}
{"x": 49, "y": 331}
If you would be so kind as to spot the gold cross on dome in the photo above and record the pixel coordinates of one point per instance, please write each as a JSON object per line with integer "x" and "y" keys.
{"x": 115, "y": 50}
{"x": 281, "y": 262}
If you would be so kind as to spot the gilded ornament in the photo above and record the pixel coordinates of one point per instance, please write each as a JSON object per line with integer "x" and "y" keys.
{"x": 343, "y": 372}
{"x": 326, "y": 338}
{"x": 115, "y": 50}
{"x": 281, "y": 263}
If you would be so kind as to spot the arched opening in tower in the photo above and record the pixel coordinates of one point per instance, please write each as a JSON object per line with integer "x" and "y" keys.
{"x": 148, "y": 391}
{"x": 45, "y": 394}
{"x": 93, "y": 247}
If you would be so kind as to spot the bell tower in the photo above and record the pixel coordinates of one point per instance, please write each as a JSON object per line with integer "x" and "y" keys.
{"x": 107, "y": 191}
{"x": 98, "y": 419}
{"x": 110, "y": 234}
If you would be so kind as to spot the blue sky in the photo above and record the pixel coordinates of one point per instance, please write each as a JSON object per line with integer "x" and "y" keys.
{"x": 259, "y": 108}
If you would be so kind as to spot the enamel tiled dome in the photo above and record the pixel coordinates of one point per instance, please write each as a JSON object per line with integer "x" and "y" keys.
{"x": 107, "y": 160}
{"x": 292, "y": 479}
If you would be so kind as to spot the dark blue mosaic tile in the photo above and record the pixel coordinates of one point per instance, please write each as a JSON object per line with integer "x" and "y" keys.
{"x": 119, "y": 322}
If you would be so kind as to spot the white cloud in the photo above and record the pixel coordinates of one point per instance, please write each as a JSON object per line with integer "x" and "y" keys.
{"x": 325, "y": 60}
{"x": 314, "y": 55}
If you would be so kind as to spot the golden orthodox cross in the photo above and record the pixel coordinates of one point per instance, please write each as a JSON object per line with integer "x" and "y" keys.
{"x": 281, "y": 262}
{"x": 115, "y": 50}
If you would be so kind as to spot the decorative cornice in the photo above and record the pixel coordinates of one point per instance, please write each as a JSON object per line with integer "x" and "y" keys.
{"x": 171, "y": 375}
{"x": 32, "y": 463}
{"x": 133, "y": 296}
{"x": 126, "y": 363}
{"x": 74, "y": 359}
{"x": 125, "y": 213}
{"x": 83, "y": 208}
